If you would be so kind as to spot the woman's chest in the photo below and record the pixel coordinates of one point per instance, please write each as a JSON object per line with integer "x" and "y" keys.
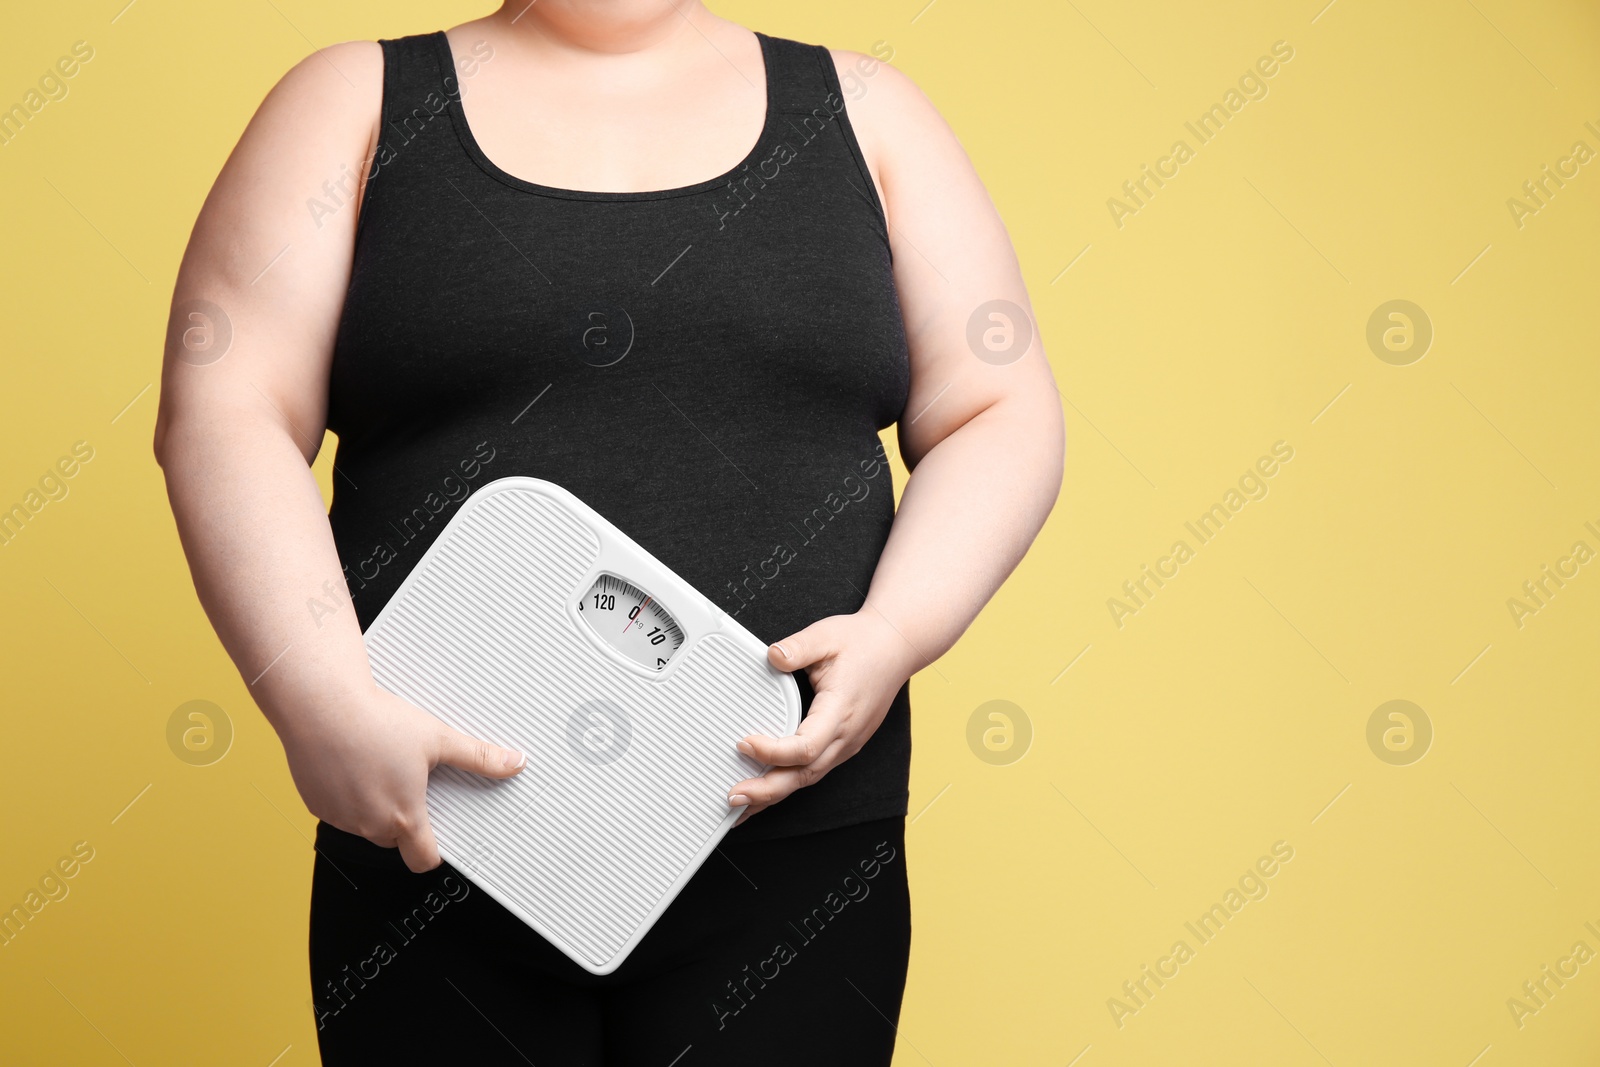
{"x": 785, "y": 293}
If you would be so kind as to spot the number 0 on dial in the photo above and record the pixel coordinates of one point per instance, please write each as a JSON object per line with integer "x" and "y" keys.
{"x": 631, "y": 621}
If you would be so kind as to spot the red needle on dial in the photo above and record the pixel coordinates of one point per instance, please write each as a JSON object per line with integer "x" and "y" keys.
{"x": 636, "y": 617}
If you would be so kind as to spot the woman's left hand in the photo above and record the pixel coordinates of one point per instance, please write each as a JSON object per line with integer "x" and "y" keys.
{"x": 856, "y": 664}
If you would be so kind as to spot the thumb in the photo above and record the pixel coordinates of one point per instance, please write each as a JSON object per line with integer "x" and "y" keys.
{"x": 418, "y": 847}
{"x": 802, "y": 648}
{"x": 478, "y": 756}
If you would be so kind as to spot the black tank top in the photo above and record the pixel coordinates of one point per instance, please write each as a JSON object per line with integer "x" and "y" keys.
{"x": 707, "y": 366}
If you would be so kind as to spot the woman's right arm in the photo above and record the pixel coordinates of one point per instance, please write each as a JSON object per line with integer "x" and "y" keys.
{"x": 244, "y": 391}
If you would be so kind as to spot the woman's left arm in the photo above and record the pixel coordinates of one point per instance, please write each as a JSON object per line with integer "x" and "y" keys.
{"x": 982, "y": 435}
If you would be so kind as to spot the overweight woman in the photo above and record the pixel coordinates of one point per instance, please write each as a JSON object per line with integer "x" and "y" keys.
{"x": 687, "y": 271}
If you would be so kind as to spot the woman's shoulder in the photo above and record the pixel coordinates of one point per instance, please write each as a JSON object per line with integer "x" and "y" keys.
{"x": 329, "y": 101}
{"x": 877, "y": 92}
{"x": 899, "y": 129}
{"x": 337, "y": 88}
{"x": 349, "y": 62}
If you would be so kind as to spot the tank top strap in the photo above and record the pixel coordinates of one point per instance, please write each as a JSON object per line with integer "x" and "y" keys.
{"x": 803, "y": 86}
{"x": 800, "y": 77}
{"x": 414, "y": 76}
{"x": 420, "y": 84}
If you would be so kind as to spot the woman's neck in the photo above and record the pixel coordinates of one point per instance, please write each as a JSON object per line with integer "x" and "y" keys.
{"x": 603, "y": 26}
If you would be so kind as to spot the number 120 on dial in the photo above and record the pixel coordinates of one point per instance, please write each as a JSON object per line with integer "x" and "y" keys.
{"x": 631, "y": 621}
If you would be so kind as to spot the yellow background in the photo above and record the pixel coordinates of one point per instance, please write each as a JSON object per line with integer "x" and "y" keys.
{"x": 1230, "y": 713}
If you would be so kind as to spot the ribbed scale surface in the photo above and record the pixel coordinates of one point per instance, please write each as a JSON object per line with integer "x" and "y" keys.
{"x": 480, "y": 637}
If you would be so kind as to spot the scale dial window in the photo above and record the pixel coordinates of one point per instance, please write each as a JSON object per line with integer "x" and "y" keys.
{"x": 631, "y": 621}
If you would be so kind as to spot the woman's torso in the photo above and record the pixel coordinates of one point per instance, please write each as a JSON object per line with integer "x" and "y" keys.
{"x": 707, "y": 366}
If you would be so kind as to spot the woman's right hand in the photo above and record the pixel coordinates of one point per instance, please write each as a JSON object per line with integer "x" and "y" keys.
{"x": 364, "y": 769}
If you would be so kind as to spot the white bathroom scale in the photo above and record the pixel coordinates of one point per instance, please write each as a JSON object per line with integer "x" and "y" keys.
{"x": 534, "y": 623}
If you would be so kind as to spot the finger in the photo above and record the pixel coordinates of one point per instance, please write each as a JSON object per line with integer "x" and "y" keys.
{"x": 802, "y": 648}
{"x": 820, "y": 728}
{"x": 780, "y": 782}
{"x": 768, "y": 789}
{"x": 417, "y": 846}
{"x": 478, "y": 756}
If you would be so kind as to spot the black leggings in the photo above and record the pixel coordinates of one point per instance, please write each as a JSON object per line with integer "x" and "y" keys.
{"x": 789, "y": 951}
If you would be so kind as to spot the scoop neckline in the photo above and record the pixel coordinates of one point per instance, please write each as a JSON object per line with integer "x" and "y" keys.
{"x": 469, "y": 141}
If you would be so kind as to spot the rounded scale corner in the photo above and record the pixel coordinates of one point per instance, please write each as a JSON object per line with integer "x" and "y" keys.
{"x": 607, "y": 967}
{"x": 520, "y": 481}
{"x": 499, "y": 896}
